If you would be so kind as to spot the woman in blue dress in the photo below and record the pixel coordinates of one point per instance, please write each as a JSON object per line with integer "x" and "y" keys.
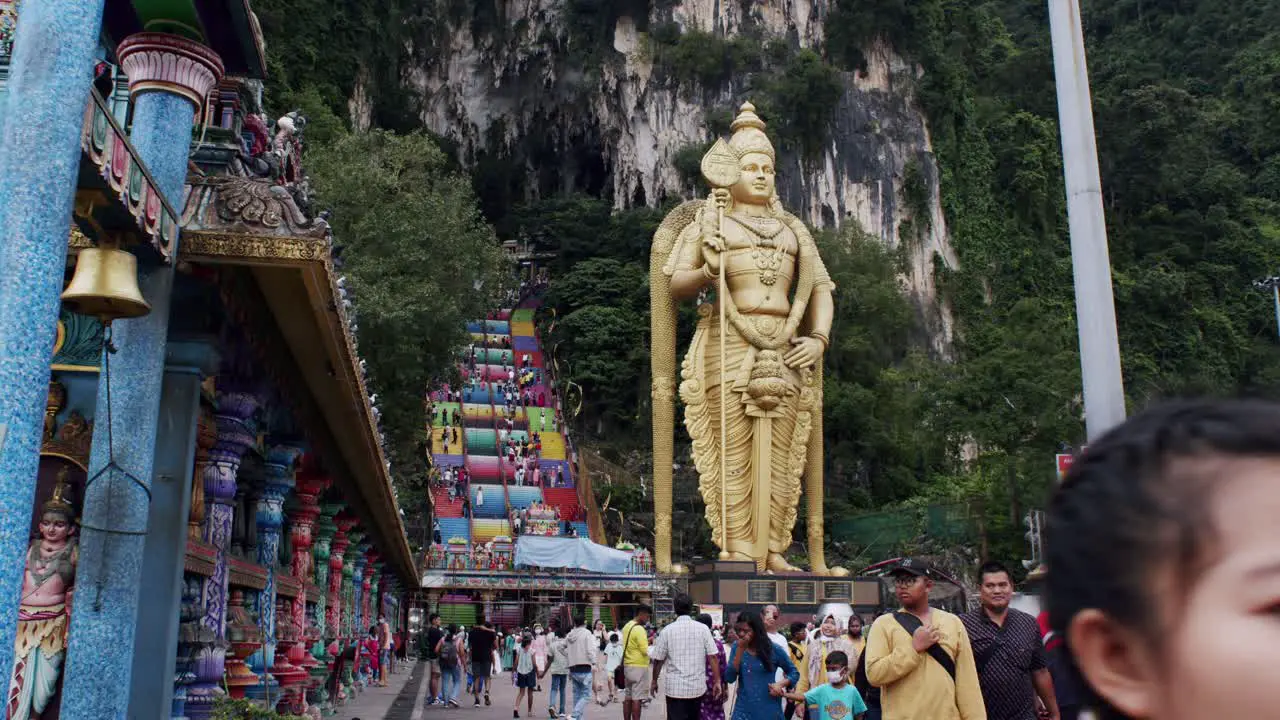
{"x": 753, "y": 664}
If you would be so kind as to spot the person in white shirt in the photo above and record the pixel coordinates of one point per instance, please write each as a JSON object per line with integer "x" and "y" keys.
{"x": 580, "y": 646}
{"x": 683, "y": 649}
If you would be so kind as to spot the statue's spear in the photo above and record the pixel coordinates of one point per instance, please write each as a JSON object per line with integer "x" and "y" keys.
{"x": 720, "y": 170}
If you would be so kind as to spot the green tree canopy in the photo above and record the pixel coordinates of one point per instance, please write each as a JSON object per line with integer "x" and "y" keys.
{"x": 420, "y": 262}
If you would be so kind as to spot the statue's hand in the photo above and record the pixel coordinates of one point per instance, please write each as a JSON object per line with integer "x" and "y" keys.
{"x": 712, "y": 244}
{"x": 806, "y": 351}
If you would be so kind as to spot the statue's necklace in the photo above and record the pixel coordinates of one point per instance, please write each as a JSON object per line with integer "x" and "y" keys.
{"x": 43, "y": 567}
{"x": 767, "y": 253}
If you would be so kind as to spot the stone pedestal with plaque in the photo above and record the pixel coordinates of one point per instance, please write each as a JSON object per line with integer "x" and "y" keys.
{"x": 736, "y": 586}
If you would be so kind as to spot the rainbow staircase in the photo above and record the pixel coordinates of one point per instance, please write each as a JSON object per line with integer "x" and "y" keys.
{"x": 498, "y": 345}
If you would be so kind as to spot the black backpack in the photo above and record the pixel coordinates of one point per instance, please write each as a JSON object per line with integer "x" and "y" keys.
{"x": 449, "y": 654}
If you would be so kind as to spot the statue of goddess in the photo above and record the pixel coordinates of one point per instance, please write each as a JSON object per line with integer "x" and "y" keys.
{"x": 44, "y": 610}
{"x": 777, "y": 319}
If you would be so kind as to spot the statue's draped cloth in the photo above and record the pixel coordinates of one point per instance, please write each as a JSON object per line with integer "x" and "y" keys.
{"x": 39, "y": 650}
{"x": 766, "y": 449}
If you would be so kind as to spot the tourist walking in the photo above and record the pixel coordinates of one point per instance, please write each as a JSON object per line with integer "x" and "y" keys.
{"x": 813, "y": 670}
{"x": 601, "y": 680}
{"x": 539, "y": 653}
{"x": 635, "y": 664}
{"x": 836, "y": 698}
{"x": 683, "y": 649}
{"x": 509, "y": 649}
{"x": 581, "y": 648}
{"x": 434, "y": 636}
{"x": 920, "y": 657}
{"x": 854, "y": 635}
{"x": 613, "y": 658}
{"x": 1007, "y": 652}
{"x": 483, "y": 641}
{"x": 384, "y": 650}
{"x": 526, "y": 676}
{"x": 451, "y": 654}
{"x": 712, "y": 705}
{"x": 558, "y": 669}
{"x": 753, "y": 663}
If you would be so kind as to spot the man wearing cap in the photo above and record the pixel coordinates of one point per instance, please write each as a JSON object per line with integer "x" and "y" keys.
{"x": 920, "y": 657}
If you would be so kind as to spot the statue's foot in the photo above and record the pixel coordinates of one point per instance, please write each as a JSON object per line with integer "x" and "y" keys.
{"x": 777, "y": 563}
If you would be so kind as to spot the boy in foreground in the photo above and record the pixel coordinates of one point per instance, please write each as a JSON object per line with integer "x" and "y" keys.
{"x": 837, "y": 699}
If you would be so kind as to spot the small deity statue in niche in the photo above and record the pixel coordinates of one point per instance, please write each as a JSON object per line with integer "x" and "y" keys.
{"x": 41, "y": 644}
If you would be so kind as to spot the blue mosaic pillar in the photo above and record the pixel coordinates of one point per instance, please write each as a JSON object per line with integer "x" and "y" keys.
{"x": 280, "y": 464}
{"x": 50, "y": 74}
{"x": 155, "y": 646}
{"x": 169, "y": 77}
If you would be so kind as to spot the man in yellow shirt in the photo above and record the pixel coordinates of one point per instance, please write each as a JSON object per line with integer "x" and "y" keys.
{"x": 635, "y": 664}
{"x": 920, "y": 657}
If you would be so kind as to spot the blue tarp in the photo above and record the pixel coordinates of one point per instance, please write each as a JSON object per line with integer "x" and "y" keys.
{"x": 577, "y": 553}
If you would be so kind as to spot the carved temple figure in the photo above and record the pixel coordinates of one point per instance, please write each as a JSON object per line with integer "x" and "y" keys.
{"x": 778, "y": 311}
{"x": 44, "y": 610}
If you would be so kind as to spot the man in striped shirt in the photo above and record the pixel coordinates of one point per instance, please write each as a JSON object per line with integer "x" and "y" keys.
{"x": 684, "y": 648}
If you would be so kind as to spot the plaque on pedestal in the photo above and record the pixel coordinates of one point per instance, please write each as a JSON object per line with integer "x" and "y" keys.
{"x": 737, "y": 587}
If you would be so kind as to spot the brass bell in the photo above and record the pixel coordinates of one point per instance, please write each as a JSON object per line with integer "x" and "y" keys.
{"x": 105, "y": 285}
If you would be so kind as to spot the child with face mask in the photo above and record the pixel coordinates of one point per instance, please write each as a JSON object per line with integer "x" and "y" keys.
{"x": 837, "y": 699}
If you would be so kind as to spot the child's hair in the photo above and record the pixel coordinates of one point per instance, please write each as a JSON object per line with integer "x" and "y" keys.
{"x": 1137, "y": 502}
{"x": 837, "y": 657}
{"x": 797, "y": 627}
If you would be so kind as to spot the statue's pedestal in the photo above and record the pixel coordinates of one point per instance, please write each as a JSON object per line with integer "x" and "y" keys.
{"x": 736, "y": 587}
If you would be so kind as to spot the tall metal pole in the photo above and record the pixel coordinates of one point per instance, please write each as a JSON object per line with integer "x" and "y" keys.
{"x": 1091, "y": 266}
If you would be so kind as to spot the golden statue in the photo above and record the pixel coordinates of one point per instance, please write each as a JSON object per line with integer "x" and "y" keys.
{"x": 752, "y": 394}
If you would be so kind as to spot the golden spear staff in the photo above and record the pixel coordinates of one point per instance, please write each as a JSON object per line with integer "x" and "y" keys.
{"x": 720, "y": 170}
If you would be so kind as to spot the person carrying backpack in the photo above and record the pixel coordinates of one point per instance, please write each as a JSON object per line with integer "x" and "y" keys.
{"x": 449, "y": 651}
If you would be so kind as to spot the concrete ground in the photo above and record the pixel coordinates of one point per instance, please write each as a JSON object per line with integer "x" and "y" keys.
{"x": 405, "y": 698}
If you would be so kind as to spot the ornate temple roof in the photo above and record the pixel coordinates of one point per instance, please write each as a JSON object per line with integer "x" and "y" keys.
{"x": 256, "y": 224}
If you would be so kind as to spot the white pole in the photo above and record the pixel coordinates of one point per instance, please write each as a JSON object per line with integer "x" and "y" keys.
{"x": 1091, "y": 266}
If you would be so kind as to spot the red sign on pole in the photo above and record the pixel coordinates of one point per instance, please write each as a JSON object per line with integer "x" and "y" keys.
{"x": 1064, "y": 461}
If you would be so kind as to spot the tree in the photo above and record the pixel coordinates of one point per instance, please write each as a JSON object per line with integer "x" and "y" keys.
{"x": 420, "y": 262}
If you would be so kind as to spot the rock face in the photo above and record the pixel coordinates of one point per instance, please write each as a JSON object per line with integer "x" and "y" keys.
{"x": 614, "y": 126}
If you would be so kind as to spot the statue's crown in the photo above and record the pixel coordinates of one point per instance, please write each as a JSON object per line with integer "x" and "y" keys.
{"x": 59, "y": 502}
{"x": 748, "y": 133}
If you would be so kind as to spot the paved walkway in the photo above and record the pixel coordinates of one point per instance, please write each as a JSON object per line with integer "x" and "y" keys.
{"x": 405, "y": 699}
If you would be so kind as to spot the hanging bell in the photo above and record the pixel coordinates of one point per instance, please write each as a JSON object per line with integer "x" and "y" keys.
{"x": 105, "y": 285}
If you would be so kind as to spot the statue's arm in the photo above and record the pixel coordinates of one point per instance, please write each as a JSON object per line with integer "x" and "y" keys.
{"x": 690, "y": 275}
{"x": 818, "y": 315}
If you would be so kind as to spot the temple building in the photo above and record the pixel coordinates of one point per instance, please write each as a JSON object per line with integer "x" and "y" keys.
{"x": 194, "y": 495}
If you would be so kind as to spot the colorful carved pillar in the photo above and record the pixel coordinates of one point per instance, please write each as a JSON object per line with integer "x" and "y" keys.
{"x": 359, "y": 625}
{"x": 486, "y": 598}
{"x": 279, "y": 480}
{"x": 206, "y": 439}
{"x": 303, "y": 509}
{"x": 337, "y": 551}
{"x": 236, "y": 434}
{"x": 370, "y": 588}
{"x": 321, "y": 552}
{"x": 354, "y": 553}
{"x": 49, "y": 81}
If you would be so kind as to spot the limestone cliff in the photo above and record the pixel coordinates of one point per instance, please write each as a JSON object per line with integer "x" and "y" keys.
{"x": 610, "y": 120}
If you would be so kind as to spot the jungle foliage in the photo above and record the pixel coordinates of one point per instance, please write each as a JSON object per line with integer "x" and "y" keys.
{"x": 419, "y": 262}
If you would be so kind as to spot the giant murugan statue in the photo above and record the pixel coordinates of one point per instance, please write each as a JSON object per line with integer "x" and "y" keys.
{"x": 751, "y": 381}
{"x": 44, "y": 610}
